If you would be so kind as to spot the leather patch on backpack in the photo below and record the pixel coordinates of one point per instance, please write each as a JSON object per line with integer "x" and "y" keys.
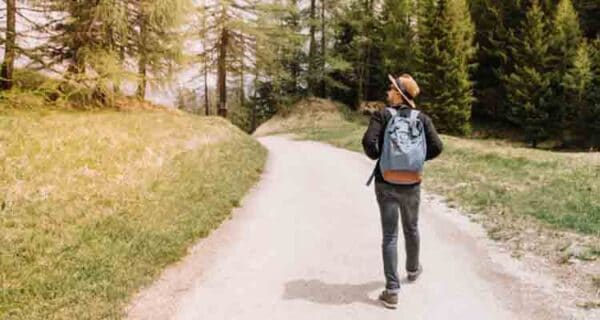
{"x": 402, "y": 177}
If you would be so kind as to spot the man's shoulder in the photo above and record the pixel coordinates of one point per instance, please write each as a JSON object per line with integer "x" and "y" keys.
{"x": 423, "y": 116}
{"x": 381, "y": 114}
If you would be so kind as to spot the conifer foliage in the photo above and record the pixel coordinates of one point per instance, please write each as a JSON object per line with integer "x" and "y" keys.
{"x": 528, "y": 85}
{"x": 445, "y": 56}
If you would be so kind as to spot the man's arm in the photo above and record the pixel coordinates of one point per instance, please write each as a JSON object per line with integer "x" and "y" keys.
{"x": 371, "y": 137}
{"x": 434, "y": 143}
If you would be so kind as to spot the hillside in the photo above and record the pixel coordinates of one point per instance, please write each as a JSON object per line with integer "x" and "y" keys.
{"x": 305, "y": 114}
{"x": 95, "y": 204}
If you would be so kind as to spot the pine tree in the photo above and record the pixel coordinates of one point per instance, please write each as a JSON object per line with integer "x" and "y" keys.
{"x": 232, "y": 29}
{"x": 527, "y": 87}
{"x": 359, "y": 73}
{"x": 369, "y": 41}
{"x": 204, "y": 58}
{"x": 291, "y": 55}
{"x": 565, "y": 39}
{"x": 566, "y": 36}
{"x": 329, "y": 63}
{"x": 493, "y": 20}
{"x": 398, "y": 36}
{"x": 96, "y": 40}
{"x": 323, "y": 53}
{"x": 424, "y": 46}
{"x": 265, "y": 48}
{"x": 579, "y": 75}
{"x": 445, "y": 52}
{"x": 87, "y": 38}
{"x": 576, "y": 82}
{"x": 279, "y": 55}
{"x": 159, "y": 42}
{"x": 589, "y": 118}
{"x": 312, "y": 76}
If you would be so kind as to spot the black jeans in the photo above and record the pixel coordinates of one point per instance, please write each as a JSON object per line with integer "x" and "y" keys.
{"x": 394, "y": 201}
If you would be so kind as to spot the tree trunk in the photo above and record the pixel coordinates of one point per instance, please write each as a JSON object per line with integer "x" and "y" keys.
{"x": 367, "y": 61}
{"x": 206, "y": 105}
{"x": 253, "y": 123}
{"x": 312, "y": 51}
{"x": 295, "y": 65}
{"x": 360, "y": 91}
{"x": 120, "y": 48}
{"x": 81, "y": 38}
{"x": 143, "y": 61}
{"x": 361, "y": 80}
{"x": 6, "y": 72}
{"x": 222, "y": 73}
{"x": 242, "y": 76}
{"x": 205, "y": 61}
{"x": 117, "y": 85}
{"x": 323, "y": 50}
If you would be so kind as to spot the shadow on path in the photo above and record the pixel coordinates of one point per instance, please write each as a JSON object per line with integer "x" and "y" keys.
{"x": 318, "y": 291}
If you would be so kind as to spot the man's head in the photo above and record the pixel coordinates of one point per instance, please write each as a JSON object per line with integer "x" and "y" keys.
{"x": 403, "y": 89}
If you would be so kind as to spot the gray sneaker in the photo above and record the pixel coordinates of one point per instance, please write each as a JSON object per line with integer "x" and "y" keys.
{"x": 413, "y": 276}
{"x": 389, "y": 300}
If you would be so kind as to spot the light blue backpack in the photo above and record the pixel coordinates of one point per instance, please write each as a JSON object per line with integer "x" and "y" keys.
{"x": 404, "y": 149}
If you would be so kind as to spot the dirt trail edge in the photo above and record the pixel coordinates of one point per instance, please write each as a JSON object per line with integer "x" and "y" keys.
{"x": 305, "y": 244}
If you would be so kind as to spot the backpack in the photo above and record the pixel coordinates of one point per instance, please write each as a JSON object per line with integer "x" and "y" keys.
{"x": 404, "y": 149}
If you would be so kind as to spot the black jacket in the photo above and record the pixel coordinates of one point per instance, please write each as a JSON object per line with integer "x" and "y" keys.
{"x": 373, "y": 138}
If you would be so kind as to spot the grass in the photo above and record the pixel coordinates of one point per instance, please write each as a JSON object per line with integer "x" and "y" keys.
{"x": 559, "y": 190}
{"x": 94, "y": 205}
{"x": 490, "y": 176}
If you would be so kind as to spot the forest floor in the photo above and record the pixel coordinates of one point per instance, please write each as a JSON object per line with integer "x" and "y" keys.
{"x": 305, "y": 244}
{"x": 93, "y": 205}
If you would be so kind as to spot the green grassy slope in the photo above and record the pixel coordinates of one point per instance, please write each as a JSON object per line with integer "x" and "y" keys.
{"x": 94, "y": 205}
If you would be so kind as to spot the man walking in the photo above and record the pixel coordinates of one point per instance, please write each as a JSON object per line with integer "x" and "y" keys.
{"x": 401, "y": 138}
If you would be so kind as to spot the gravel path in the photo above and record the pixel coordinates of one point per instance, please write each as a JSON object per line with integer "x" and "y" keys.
{"x": 306, "y": 245}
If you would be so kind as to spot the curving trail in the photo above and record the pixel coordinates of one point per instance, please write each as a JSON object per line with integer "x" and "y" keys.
{"x": 306, "y": 245}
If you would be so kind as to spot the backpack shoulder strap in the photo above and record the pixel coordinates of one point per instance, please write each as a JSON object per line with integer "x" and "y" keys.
{"x": 414, "y": 114}
{"x": 392, "y": 111}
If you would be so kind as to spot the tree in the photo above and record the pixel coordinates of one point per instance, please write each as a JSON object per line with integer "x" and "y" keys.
{"x": 159, "y": 40}
{"x": 87, "y": 38}
{"x": 445, "y": 52}
{"x": 566, "y": 36}
{"x": 323, "y": 57}
{"x": 565, "y": 40}
{"x": 527, "y": 86}
{"x": 294, "y": 50}
{"x": 6, "y": 72}
{"x": 493, "y": 20}
{"x": 326, "y": 61}
{"x": 312, "y": 49}
{"x": 229, "y": 26}
{"x": 576, "y": 82}
{"x": 359, "y": 73}
{"x": 398, "y": 36}
{"x": 278, "y": 58}
{"x": 424, "y": 46}
{"x": 589, "y": 115}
